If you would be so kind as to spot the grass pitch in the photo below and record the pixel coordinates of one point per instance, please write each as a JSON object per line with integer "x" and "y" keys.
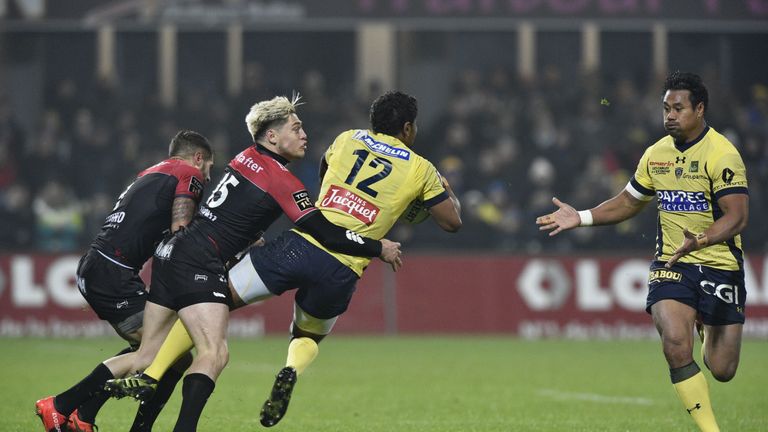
{"x": 414, "y": 384}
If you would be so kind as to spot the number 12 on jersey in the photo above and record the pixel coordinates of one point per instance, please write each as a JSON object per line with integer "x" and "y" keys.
{"x": 364, "y": 184}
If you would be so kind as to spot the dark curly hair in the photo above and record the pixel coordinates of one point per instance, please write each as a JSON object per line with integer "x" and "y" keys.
{"x": 688, "y": 81}
{"x": 390, "y": 111}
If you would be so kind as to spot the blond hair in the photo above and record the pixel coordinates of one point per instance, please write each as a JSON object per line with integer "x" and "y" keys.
{"x": 272, "y": 112}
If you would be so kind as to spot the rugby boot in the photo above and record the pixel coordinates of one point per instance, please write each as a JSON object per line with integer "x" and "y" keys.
{"x": 77, "y": 425}
{"x": 275, "y": 407}
{"x": 53, "y": 421}
{"x": 140, "y": 387}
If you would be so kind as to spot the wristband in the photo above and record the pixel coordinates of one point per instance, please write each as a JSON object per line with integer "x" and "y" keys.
{"x": 702, "y": 240}
{"x": 586, "y": 218}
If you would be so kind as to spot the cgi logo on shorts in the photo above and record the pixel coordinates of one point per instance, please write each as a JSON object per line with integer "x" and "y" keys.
{"x": 682, "y": 201}
{"x": 725, "y": 292}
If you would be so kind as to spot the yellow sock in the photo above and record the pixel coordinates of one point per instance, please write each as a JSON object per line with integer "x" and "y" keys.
{"x": 301, "y": 352}
{"x": 176, "y": 344}
{"x": 693, "y": 391}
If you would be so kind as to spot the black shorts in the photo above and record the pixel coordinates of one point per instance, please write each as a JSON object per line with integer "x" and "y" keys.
{"x": 717, "y": 295}
{"x": 116, "y": 293}
{"x": 187, "y": 271}
{"x": 325, "y": 285}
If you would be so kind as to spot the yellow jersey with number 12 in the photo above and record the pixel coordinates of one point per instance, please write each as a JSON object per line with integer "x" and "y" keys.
{"x": 371, "y": 179}
{"x": 687, "y": 180}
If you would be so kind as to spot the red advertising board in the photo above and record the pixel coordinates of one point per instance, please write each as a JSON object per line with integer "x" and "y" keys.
{"x": 531, "y": 297}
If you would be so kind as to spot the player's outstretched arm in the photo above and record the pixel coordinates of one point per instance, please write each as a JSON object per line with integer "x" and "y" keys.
{"x": 564, "y": 218}
{"x": 617, "y": 209}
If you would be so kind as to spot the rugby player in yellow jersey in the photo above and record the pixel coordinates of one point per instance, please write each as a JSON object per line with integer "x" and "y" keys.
{"x": 697, "y": 277}
{"x": 369, "y": 178}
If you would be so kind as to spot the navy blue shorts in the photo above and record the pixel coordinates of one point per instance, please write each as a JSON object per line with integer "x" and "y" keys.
{"x": 325, "y": 285}
{"x": 718, "y": 295}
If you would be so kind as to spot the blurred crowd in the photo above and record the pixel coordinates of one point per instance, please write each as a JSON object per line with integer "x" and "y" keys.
{"x": 507, "y": 146}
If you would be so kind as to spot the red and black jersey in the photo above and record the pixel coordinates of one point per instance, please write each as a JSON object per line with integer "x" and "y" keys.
{"x": 142, "y": 214}
{"x": 255, "y": 190}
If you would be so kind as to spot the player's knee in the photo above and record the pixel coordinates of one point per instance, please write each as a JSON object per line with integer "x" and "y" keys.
{"x": 214, "y": 357}
{"x": 221, "y": 358}
{"x": 677, "y": 352}
{"x": 306, "y": 325}
{"x": 221, "y": 355}
{"x": 724, "y": 373}
{"x": 296, "y": 332}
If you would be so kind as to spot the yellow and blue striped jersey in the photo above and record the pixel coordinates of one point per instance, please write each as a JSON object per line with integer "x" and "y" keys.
{"x": 371, "y": 179}
{"x": 687, "y": 180}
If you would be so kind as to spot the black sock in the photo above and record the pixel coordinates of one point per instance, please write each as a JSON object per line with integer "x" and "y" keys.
{"x": 87, "y": 410}
{"x": 196, "y": 389}
{"x": 66, "y": 402}
{"x": 149, "y": 410}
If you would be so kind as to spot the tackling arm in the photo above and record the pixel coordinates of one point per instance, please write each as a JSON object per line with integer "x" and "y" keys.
{"x": 337, "y": 238}
{"x": 348, "y": 242}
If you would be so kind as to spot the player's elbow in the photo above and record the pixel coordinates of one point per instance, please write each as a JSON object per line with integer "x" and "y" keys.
{"x": 452, "y": 225}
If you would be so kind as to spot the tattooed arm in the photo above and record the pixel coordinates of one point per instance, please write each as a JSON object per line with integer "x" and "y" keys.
{"x": 182, "y": 212}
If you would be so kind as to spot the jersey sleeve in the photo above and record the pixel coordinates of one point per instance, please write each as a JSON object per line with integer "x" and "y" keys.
{"x": 190, "y": 182}
{"x": 433, "y": 192}
{"x": 640, "y": 185}
{"x": 292, "y": 197}
{"x": 728, "y": 175}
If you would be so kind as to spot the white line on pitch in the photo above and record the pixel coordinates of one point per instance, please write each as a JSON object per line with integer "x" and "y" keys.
{"x": 593, "y": 397}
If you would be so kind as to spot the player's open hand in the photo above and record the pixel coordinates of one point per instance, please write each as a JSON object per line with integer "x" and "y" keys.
{"x": 565, "y": 218}
{"x": 691, "y": 242}
{"x": 391, "y": 254}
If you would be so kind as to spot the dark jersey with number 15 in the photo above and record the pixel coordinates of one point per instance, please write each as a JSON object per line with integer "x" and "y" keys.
{"x": 142, "y": 214}
{"x": 255, "y": 190}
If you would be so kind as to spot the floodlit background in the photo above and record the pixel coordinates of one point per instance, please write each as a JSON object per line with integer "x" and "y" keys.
{"x": 520, "y": 101}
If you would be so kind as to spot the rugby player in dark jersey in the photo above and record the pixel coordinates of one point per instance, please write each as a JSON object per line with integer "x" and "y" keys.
{"x": 189, "y": 273}
{"x": 161, "y": 200}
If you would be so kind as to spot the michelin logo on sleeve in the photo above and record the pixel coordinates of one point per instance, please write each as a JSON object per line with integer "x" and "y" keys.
{"x": 380, "y": 147}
